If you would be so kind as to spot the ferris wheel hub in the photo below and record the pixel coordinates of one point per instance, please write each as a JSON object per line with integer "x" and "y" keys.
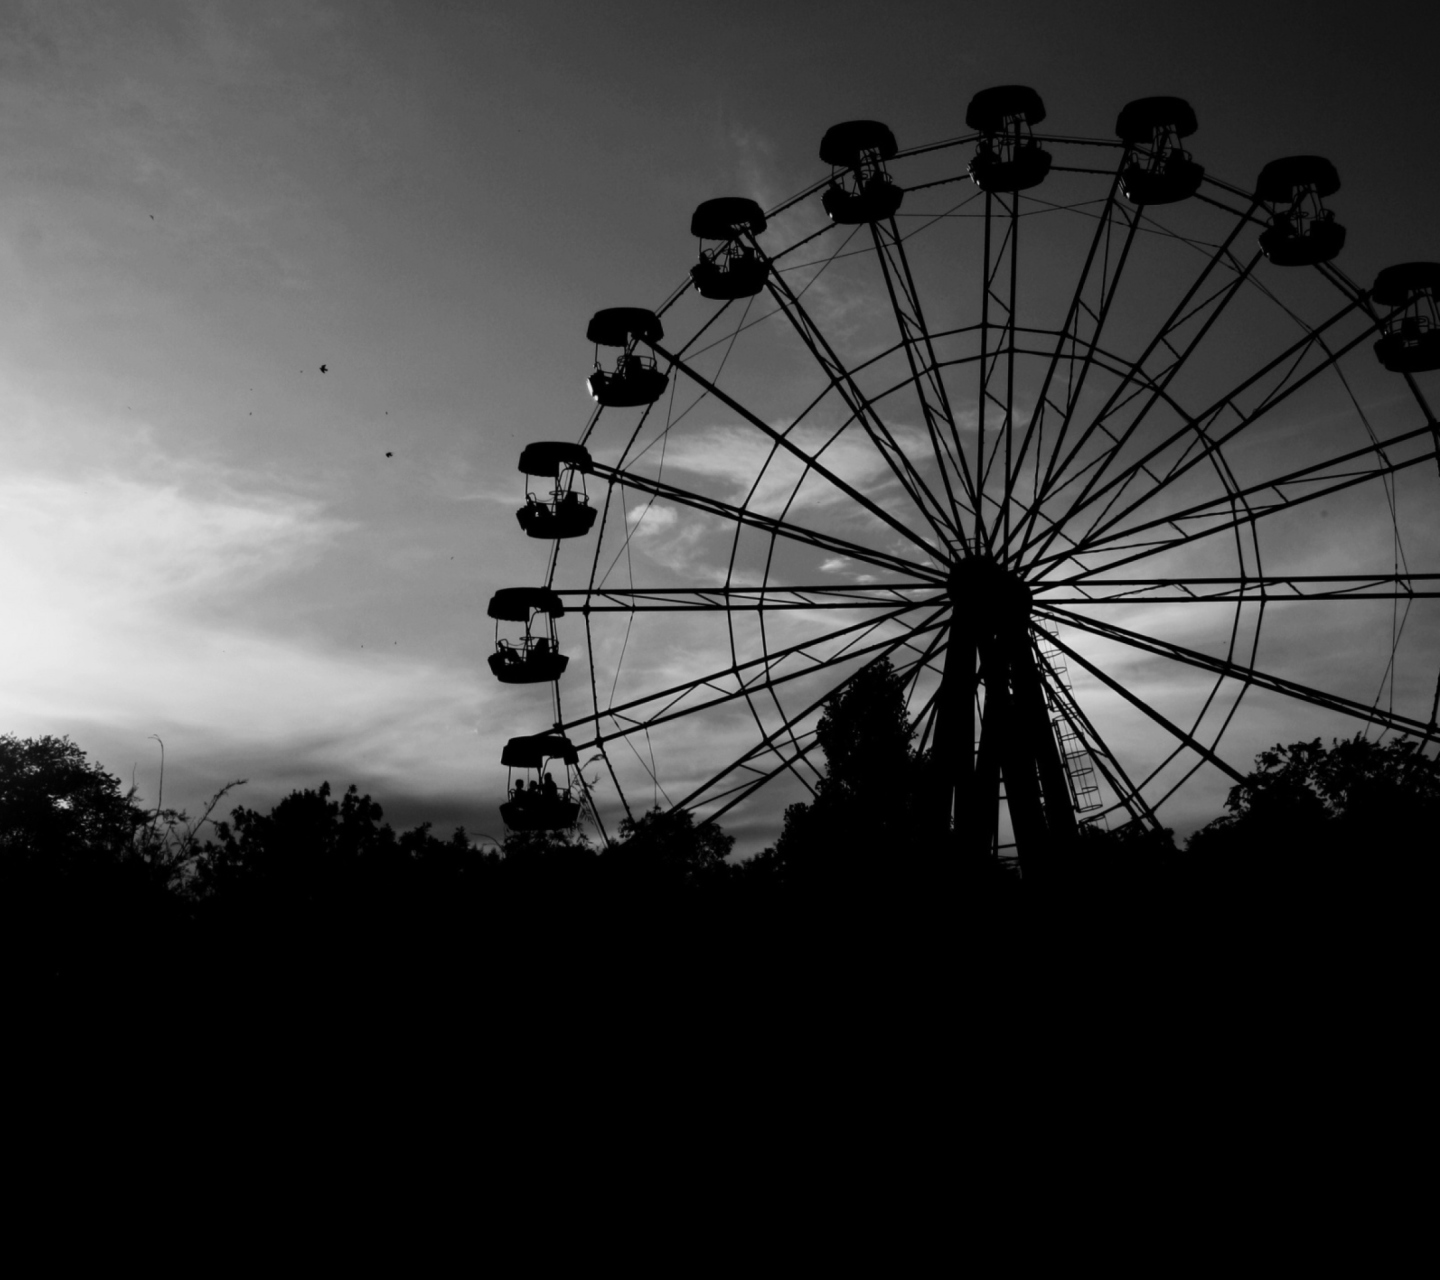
{"x": 981, "y": 586}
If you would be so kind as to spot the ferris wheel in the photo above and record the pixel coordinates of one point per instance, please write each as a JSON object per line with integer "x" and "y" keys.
{"x": 1105, "y": 456}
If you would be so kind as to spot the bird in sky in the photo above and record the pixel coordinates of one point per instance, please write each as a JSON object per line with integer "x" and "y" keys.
{"x": 324, "y": 368}
{"x": 389, "y": 455}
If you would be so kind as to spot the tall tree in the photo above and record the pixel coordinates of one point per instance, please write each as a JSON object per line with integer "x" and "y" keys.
{"x": 1358, "y": 809}
{"x": 669, "y": 848}
{"x": 84, "y": 882}
{"x": 865, "y": 819}
{"x": 57, "y": 804}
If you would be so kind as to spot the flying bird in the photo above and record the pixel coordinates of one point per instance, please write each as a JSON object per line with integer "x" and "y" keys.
{"x": 324, "y": 368}
{"x": 389, "y": 455}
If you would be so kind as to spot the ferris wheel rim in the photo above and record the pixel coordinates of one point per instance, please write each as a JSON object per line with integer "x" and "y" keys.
{"x": 775, "y": 532}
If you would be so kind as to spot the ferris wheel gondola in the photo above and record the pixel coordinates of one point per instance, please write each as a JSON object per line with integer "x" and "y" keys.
{"x": 566, "y": 512}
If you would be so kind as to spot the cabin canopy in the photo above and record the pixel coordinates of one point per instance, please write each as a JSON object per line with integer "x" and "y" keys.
{"x": 989, "y": 109}
{"x": 532, "y": 752}
{"x": 515, "y": 604}
{"x": 843, "y": 144}
{"x": 726, "y": 218}
{"x": 1280, "y": 179}
{"x": 615, "y": 326}
{"x": 1396, "y": 286}
{"x": 547, "y": 457}
{"x": 1140, "y": 120}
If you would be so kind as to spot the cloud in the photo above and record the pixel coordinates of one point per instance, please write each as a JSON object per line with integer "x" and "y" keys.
{"x": 651, "y": 519}
{"x": 745, "y": 460}
{"x": 144, "y": 607}
{"x": 111, "y": 542}
{"x": 683, "y": 542}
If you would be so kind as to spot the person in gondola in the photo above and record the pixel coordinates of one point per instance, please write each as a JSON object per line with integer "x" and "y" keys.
{"x": 548, "y": 789}
{"x": 542, "y": 647}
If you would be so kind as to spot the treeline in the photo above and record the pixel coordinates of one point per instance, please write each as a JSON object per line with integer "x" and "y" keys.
{"x": 1320, "y": 849}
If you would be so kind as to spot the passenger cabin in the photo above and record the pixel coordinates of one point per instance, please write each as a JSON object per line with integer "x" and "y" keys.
{"x": 730, "y": 268}
{"x": 531, "y": 655}
{"x": 535, "y": 802}
{"x": 860, "y": 189}
{"x": 635, "y": 379}
{"x": 1007, "y": 158}
{"x": 1302, "y": 231}
{"x": 567, "y": 512}
{"x": 1411, "y": 341}
{"x": 1157, "y": 168}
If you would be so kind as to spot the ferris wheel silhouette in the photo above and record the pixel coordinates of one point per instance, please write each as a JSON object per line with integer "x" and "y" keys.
{"x": 1055, "y": 426}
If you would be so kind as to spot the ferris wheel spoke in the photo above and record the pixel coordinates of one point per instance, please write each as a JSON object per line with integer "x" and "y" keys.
{"x": 1156, "y": 768}
{"x": 924, "y": 366}
{"x": 1068, "y": 337}
{"x": 1192, "y": 456}
{"x": 1142, "y": 706}
{"x": 754, "y": 599}
{"x": 923, "y": 717}
{"x": 740, "y": 680}
{"x": 997, "y": 257}
{"x": 1126, "y": 792}
{"x": 1092, "y": 471}
{"x": 1184, "y": 311}
{"x": 1137, "y": 792}
{"x": 1203, "y": 423}
{"x": 769, "y": 524}
{"x": 1218, "y": 508}
{"x": 940, "y": 515}
{"x": 810, "y": 462}
{"x": 784, "y": 731}
{"x": 1271, "y": 588}
{"x": 917, "y": 664}
{"x": 1183, "y": 314}
{"x": 1099, "y": 314}
{"x": 1247, "y": 675}
{"x": 1134, "y": 385}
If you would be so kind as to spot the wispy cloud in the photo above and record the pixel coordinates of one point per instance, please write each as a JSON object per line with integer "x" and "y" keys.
{"x": 160, "y": 605}
{"x": 743, "y": 459}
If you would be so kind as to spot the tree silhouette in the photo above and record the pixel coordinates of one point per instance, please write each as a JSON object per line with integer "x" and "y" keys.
{"x": 1305, "y": 799}
{"x": 84, "y": 874}
{"x": 1326, "y": 854}
{"x": 1321, "y": 850}
{"x": 668, "y": 848}
{"x": 865, "y": 816}
{"x": 56, "y": 803}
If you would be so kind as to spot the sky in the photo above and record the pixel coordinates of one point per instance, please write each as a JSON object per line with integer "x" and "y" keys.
{"x": 283, "y": 573}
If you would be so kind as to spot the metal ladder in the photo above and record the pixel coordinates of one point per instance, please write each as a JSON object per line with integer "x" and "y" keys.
{"x": 1084, "y": 789}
